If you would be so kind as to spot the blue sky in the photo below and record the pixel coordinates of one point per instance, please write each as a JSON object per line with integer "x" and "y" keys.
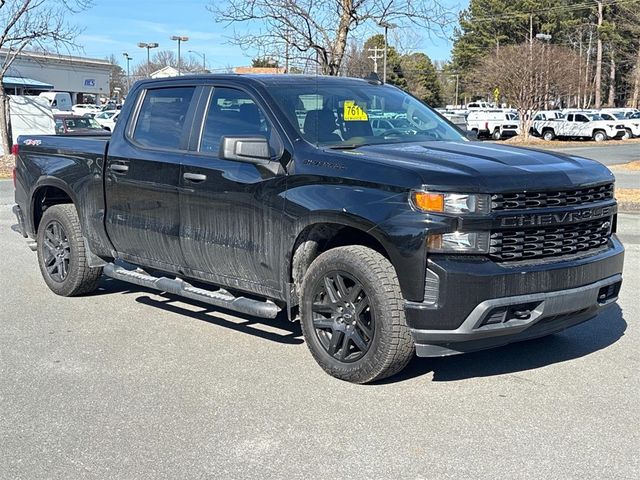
{"x": 116, "y": 26}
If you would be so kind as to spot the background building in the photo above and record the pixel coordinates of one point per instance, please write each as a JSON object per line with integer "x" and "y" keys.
{"x": 32, "y": 73}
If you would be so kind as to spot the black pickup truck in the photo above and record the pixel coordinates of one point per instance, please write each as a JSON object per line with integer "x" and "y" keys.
{"x": 269, "y": 194}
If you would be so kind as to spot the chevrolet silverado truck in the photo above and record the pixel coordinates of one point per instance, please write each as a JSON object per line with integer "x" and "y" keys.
{"x": 579, "y": 125}
{"x": 271, "y": 195}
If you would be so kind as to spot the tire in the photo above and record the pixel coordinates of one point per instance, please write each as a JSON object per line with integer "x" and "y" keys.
{"x": 599, "y": 136}
{"x": 61, "y": 253}
{"x": 627, "y": 134}
{"x": 364, "y": 337}
{"x": 496, "y": 134}
{"x": 548, "y": 135}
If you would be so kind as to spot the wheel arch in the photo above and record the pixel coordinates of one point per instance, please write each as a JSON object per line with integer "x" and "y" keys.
{"x": 48, "y": 192}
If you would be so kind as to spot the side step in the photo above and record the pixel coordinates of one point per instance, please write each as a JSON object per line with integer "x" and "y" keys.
{"x": 218, "y": 298}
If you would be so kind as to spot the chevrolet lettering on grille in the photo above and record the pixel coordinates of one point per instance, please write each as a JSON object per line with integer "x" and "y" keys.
{"x": 559, "y": 218}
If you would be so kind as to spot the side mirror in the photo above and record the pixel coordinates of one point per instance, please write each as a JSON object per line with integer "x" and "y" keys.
{"x": 254, "y": 149}
{"x": 471, "y": 135}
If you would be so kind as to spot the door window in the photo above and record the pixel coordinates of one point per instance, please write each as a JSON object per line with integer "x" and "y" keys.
{"x": 161, "y": 119}
{"x": 231, "y": 112}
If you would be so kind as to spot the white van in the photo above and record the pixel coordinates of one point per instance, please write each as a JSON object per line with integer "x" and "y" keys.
{"x": 29, "y": 115}
{"x": 58, "y": 101}
{"x": 496, "y": 124}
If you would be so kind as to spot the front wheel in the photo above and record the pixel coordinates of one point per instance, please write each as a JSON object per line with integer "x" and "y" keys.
{"x": 627, "y": 134}
{"x": 548, "y": 135}
{"x": 599, "y": 136}
{"x": 353, "y": 317}
{"x": 61, "y": 253}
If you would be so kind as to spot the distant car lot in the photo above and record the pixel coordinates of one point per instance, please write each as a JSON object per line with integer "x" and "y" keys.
{"x": 130, "y": 384}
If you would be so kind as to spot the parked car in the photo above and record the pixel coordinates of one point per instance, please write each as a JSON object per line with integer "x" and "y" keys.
{"x": 385, "y": 126}
{"x": 496, "y": 124}
{"x": 84, "y": 108}
{"x": 579, "y": 125}
{"x": 106, "y": 119}
{"x": 381, "y": 246}
{"x": 631, "y": 126}
{"x": 109, "y": 123}
{"x": 77, "y": 125}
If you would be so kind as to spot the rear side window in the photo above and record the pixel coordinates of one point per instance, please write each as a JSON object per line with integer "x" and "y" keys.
{"x": 161, "y": 119}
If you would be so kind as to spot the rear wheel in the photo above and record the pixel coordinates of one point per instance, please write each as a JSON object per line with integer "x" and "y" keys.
{"x": 548, "y": 135}
{"x": 61, "y": 253}
{"x": 599, "y": 136}
{"x": 353, "y": 317}
{"x": 496, "y": 134}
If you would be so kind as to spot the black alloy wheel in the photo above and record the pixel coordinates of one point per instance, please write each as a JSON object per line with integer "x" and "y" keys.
{"x": 342, "y": 318}
{"x": 57, "y": 251}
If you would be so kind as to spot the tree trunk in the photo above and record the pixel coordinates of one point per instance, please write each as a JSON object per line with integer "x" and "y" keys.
{"x": 612, "y": 81}
{"x": 598, "y": 77}
{"x": 587, "y": 90}
{"x": 635, "y": 97}
{"x": 340, "y": 45}
{"x": 5, "y": 142}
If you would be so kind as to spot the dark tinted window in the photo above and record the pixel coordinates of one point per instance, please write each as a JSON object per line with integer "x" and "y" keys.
{"x": 162, "y": 116}
{"x": 231, "y": 113}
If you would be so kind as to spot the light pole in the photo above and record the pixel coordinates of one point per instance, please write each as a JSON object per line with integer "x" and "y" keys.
{"x": 126, "y": 55}
{"x": 179, "y": 39}
{"x": 148, "y": 46}
{"x": 546, "y": 38}
{"x": 203, "y": 57}
{"x": 386, "y": 26}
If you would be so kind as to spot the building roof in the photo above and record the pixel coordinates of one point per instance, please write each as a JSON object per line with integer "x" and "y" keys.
{"x": 20, "y": 82}
{"x": 164, "y": 72}
{"x": 258, "y": 70}
{"x": 58, "y": 58}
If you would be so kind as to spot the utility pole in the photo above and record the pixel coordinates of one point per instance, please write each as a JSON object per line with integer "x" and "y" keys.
{"x": 377, "y": 54}
{"x": 203, "y": 57}
{"x": 457, "y": 83}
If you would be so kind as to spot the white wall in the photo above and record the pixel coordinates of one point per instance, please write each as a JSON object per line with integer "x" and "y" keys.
{"x": 74, "y": 77}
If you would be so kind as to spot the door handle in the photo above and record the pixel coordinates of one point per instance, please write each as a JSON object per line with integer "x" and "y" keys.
{"x": 118, "y": 168}
{"x": 194, "y": 177}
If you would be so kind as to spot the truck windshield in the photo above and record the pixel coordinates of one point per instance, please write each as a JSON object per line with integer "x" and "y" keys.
{"x": 353, "y": 115}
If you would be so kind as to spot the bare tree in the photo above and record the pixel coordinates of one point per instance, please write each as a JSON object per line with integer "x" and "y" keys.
{"x": 530, "y": 77}
{"x": 37, "y": 25}
{"x": 166, "y": 58}
{"x": 323, "y": 27}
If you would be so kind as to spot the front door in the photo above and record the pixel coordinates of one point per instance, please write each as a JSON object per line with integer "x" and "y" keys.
{"x": 231, "y": 211}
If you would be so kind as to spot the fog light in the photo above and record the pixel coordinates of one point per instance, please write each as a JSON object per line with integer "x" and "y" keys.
{"x": 460, "y": 242}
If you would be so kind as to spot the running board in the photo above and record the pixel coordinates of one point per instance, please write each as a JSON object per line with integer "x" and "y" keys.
{"x": 218, "y": 298}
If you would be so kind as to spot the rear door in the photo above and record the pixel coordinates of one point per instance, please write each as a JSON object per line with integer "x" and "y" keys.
{"x": 232, "y": 211}
{"x": 143, "y": 177}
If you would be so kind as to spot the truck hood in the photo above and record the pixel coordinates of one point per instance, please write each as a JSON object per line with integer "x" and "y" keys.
{"x": 486, "y": 167}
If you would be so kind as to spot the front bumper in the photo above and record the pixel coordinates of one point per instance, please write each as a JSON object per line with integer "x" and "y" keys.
{"x": 483, "y": 304}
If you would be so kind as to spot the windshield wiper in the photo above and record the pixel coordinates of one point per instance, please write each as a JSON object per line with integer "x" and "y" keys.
{"x": 350, "y": 146}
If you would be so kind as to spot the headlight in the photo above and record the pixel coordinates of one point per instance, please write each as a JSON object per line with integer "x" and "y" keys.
{"x": 459, "y": 242}
{"x": 454, "y": 203}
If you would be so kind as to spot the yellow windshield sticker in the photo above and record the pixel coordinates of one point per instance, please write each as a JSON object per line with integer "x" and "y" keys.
{"x": 354, "y": 112}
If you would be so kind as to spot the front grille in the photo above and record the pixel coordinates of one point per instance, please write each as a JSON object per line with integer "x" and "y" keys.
{"x": 536, "y": 242}
{"x": 525, "y": 200}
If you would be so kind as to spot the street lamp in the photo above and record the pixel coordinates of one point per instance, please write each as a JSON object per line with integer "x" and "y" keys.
{"x": 126, "y": 55}
{"x": 386, "y": 26}
{"x": 179, "y": 39}
{"x": 203, "y": 57}
{"x": 148, "y": 46}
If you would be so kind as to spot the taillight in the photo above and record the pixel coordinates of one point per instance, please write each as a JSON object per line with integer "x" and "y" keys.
{"x": 486, "y": 125}
{"x": 14, "y": 149}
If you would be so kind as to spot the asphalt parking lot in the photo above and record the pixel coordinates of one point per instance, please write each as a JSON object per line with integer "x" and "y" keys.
{"x": 127, "y": 383}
